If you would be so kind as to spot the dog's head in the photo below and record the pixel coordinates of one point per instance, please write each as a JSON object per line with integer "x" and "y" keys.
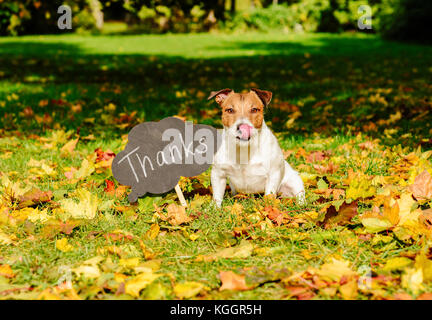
{"x": 242, "y": 113}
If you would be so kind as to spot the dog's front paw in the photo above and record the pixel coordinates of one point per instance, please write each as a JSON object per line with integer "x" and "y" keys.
{"x": 217, "y": 203}
{"x": 301, "y": 198}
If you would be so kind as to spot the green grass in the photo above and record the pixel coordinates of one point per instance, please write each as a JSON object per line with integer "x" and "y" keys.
{"x": 331, "y": 79}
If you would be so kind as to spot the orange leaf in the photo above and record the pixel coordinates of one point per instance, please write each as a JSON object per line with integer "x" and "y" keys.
{"x": 176, "y": 215}
{"x": 6, "y": 271}
{"x": 274, "y": 214}
{"x": 233, "y": 281}
{"x": 391, "y": 213}
{"x": 110, "y": 187}
{"x": 422, "y": 186}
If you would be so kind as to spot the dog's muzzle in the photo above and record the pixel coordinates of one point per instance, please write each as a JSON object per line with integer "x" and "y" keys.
{"x": 244, "y": 132}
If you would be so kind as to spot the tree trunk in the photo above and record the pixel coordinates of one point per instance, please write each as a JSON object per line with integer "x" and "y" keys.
{"x": 96, "y": 9}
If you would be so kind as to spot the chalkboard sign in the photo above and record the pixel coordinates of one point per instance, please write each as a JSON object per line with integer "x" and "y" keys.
{"x": 158, "y": 153}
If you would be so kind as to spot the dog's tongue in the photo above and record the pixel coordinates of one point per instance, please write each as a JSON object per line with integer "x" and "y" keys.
{"x": 245, "y": 130}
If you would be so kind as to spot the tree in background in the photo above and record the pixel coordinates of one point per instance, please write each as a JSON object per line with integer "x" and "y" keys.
{"x": 394, "y": 19}
{"x": 409, "y": 20}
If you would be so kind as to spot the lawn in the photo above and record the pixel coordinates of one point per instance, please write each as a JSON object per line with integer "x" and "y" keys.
{"x": 352, "y": 113}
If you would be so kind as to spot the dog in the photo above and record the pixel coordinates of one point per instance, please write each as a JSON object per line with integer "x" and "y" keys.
{"x": 249, "y": 154}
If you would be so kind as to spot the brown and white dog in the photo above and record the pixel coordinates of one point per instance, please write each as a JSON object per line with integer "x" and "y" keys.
{"x": 249, "y": 155}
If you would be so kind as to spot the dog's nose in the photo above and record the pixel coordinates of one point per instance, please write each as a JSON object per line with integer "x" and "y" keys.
{"x": 245, "y": 130}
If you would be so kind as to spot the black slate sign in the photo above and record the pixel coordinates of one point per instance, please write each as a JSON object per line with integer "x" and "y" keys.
{"x": 158, "y": 153}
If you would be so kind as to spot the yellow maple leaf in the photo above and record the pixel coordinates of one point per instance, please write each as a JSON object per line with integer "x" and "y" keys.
{"x": 374, "y": 224}
{"x": 36, "y": 215}
{"x": 360, "y": 188}
{"x": 406, "y": 213}
{"x": 63, "y": 245}
{"x": 397, "y": 263}
{"x": 88, "y": 271}
{"x": 349, "y": 290}
{"x": 6, "y": 239}
{"x": 6, "y": 271}
{"x": 413, "y": 280}
{"x": 129, "y": 263}
{"x": 69, "y": 147}
{"x": 86, "y": 208}
{"x": 423, "y": 263}
{"x": 86, "y": 169}
{"x": 135, "y": 285}
{"x": 335, "y": 269}
{"x": 188, "y": 289}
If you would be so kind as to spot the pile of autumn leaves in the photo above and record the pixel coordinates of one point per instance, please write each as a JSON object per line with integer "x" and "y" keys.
{"x": 379, "y": 208}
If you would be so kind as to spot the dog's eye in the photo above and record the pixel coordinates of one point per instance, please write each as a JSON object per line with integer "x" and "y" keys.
{"x": 254, "y": 110}
{"x": 229, "y": 110}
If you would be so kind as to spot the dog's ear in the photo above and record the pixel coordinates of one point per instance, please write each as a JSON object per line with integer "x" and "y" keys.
{"x": 264, "y": 95}
{"x": 220, "y": 95}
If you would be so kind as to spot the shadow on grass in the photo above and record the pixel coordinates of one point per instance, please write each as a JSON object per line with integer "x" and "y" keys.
{"x": 315, "y": 74}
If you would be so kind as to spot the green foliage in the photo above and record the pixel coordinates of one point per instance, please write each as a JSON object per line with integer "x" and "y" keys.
{"x": 40, "y": 17}
{"x": 302, "y": 16}
{"x": 12, "y": 14}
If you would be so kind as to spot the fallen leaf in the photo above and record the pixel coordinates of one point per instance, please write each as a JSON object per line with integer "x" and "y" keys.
{"x": 233, "y": 281}
{"x": 335, "y": 270}
{"x": 6, "y": 271}
{"x": 34, "y": 196}
{"x": 188, "y": 289}
{"x": 153, "y": 232}
{"x": 360, "y": 188}
{"x": 341, "y": 217}
{"x": 63, "y": 245}
{"x": 398, "y": 263}
{"x": 425, "y": 296}
{"x": 88, "y": 271}
{"x": 412, "y": 279}
{"x": 243, "y": 250}
{"x": 69, "y": 147}
{"x": 373, "y": 225}
{"x": 176, "y": 215}
{"x": 86, "y": 208}
{"x": 349, "y": 290}
{"x": 422, "y": 186}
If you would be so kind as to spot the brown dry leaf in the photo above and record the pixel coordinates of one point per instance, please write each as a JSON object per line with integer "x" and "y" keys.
{"x": 330, "y": 168}
{"x": 233, "y": 281}
{"x": 33, "y": 197}
{"x": 316, "y": 156}
{"x": 340, "y": 217}
{"x": 426, "y": 218}
{"x": 305, "y": 294}
{"x": 422, "y": 186}
{"x": 176, "y": 215}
